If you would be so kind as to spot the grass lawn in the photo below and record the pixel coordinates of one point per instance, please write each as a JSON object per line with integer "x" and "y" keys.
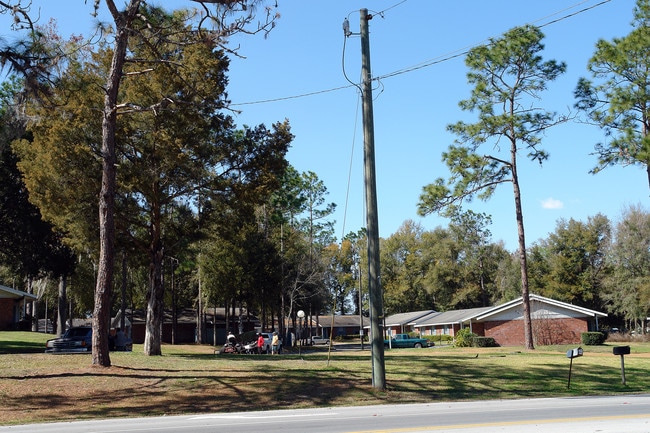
{"x": 36, "y": 387}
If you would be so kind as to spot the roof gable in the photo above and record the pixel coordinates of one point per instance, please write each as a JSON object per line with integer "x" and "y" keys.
{"x": 540, "y": 306}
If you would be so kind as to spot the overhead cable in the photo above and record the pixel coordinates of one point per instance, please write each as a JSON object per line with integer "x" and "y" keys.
{"x": 427, "y": 63}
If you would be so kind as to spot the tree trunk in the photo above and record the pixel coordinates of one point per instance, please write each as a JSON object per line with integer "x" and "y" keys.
{"x": 123, "y": 300}
{"x": 528, "y": 325}
{"x": 155, "y": 301}
{"x": 174, "y": 312}
{"x": 101, "y": 314}
{"x": 199, "y": 308}
{"x": 33, "y": 311}
{"x": 214, "y": 325}
{"x": 484, "y": 296}
{"x": 29, "y": 305}
{"x": 61, "y": 307}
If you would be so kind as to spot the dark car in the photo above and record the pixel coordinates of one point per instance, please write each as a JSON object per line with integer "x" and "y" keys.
{"x": 77, "y": 339}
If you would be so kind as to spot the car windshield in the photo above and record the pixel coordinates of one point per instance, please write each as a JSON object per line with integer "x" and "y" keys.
{"x": 77, "y": 332}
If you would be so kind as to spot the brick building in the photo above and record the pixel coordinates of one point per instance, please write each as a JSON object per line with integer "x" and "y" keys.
{"x": 12, "y": 307}
{"x": 553, "y": 322}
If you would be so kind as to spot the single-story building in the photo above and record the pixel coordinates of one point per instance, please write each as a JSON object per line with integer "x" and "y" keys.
{"x": 339, "y": 326}
{"x": 447, "y": 322}
{"x": 186, "y": 330}
{"x": 554, "y": 322}
{"x": 402, "y": 323}
{"x": 12, "y": 307}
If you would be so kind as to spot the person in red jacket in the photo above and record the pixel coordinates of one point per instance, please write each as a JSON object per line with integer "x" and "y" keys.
{"x": 260, "y": 343}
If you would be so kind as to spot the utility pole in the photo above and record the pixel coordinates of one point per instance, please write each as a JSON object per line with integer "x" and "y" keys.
{"x": 372, "y": 224}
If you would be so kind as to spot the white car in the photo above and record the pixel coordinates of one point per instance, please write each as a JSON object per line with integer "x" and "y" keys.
{"x": 319, "y": 340}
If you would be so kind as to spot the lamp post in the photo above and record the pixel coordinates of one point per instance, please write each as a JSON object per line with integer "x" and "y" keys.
{"x": 301, "y": 314}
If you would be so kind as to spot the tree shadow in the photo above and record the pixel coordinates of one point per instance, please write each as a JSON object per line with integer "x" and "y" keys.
{"x": 293, "y": 381}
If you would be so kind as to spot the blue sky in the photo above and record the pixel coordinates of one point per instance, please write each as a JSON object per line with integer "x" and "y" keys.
{"x": 423, "y": 40}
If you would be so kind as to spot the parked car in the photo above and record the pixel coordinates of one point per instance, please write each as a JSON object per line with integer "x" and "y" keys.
{"x": 319, "y": 340}
{"x": 403, "y": 340}
{"x": 76, "y": 339}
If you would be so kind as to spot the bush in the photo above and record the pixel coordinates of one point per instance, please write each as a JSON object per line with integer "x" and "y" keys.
{"x": 484, "y": 342}
{"x": 464, "y": 338}
{"x": 439, "y": 339}
{"x": 593, "y": 338}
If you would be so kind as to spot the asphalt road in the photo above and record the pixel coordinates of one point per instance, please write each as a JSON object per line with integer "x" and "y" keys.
{"x": 629, "y": 414}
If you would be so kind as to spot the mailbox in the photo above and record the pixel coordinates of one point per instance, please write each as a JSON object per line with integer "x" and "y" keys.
{"x": 622, "y": 350}
{"x": 574, "y": 353}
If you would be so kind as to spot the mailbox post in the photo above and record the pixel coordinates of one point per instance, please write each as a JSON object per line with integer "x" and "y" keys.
{"x": 572, "y": 353}
{"x": 622, "y": 350}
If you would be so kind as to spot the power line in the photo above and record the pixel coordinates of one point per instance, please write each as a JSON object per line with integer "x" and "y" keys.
{"x": 427, "y": 63}
{"x": 303, "y": 95}
{"x": 575, "y": 13}
{"x": 464, "y": 51}
{"x": 381, "y": 13}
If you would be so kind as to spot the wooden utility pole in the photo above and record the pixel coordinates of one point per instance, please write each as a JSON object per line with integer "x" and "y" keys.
{"x": 372, "y": 224}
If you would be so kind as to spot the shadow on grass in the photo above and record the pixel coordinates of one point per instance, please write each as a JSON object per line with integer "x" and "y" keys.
{"x": 150, "y": 391}
{"x": 224, "y": 383}
{"x": 464, "y": 377}
{"x": 8, "y": 347}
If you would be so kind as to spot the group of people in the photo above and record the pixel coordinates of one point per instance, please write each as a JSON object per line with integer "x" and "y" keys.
{"x": 261, "y": 343}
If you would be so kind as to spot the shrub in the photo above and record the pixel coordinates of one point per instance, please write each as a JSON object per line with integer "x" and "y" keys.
{"x": 464, "y": 338}
{"x": 439, "y": 339}
{"x": 484, "y": 342}
{"x": 593, "y": 338}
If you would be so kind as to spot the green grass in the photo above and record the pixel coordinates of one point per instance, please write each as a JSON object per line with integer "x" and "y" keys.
{"x": 191, "y": 379}
{"x": 23, "y": 342}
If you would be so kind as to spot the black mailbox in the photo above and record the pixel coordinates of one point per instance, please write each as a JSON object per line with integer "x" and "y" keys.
{"x": 621, "y": 350}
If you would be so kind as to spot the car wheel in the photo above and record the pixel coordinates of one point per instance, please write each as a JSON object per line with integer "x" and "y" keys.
{"x": 418, "y": 345}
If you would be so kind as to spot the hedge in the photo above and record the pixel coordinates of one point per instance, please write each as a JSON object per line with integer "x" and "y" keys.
{"x": 593, "y": 338}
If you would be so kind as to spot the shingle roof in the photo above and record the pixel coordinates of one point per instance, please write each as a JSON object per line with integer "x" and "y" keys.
{"x": 482, "y": 313}
{"x": 350, "y": 320}
{"x": 449, "y": 317}
{"x": 405, "y": 318}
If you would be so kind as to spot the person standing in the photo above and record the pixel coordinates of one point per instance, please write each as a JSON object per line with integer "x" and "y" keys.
{"x": 120, "y": 340}
{"x": 275, "y": 344}
{"x": 260, "y": 343}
